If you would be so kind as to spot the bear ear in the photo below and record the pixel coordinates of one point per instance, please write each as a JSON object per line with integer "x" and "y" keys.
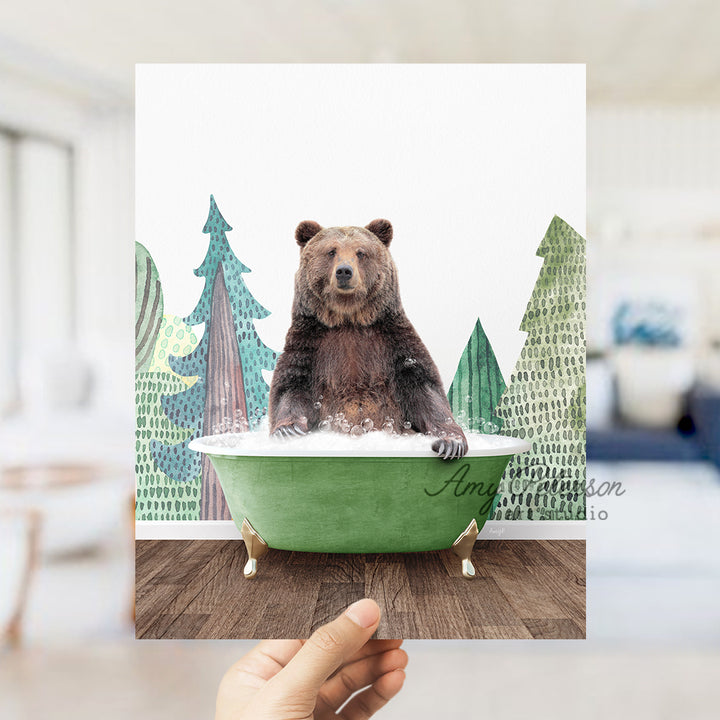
{"x": 382, "y": 229}
{"x": 305, "y": 231}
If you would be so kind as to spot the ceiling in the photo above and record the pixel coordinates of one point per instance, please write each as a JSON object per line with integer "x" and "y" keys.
{"x": 637, "y": 51}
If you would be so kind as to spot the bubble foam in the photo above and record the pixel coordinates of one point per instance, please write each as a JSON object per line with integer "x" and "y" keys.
{"x": 326, "y": 443}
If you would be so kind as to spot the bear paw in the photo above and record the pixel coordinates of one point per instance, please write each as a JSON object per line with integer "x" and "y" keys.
{"x": 291, "y": 429}
{"x": 450, "y": 448}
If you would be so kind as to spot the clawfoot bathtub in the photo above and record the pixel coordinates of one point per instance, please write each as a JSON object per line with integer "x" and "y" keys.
{"x": 354, "y": 502}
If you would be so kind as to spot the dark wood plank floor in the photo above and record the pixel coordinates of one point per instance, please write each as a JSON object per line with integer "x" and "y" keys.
{"x": 524, "y": 589}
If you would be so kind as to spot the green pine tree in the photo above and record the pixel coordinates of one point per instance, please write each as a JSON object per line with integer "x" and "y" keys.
{"x": 477, "y": 385}
{"x": 545, "y": 400}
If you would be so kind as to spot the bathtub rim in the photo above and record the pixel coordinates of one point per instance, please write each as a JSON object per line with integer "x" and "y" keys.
{"x": 286, "y": 450}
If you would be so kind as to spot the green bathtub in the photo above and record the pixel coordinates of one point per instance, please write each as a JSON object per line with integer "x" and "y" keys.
{"x": 340, "y": 503}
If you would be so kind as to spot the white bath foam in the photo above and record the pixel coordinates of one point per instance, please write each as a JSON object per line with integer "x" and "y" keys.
{"x": 332, "y": 444}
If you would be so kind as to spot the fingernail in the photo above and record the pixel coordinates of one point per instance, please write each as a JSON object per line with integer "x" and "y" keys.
{"x": 364, "y": 613}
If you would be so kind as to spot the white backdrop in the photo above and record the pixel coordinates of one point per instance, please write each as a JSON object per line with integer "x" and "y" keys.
{"x": 468, "y": 162}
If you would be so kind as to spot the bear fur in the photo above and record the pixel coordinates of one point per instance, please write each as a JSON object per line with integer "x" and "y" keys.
{"x": 350, "y": 346}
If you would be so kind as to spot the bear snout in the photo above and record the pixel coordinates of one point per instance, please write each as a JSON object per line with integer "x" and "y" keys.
{"x": 343, "y": 275}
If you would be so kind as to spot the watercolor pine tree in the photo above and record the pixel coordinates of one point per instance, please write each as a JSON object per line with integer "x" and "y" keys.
{"x": 230, "y": 391}
{"x": 478, "y": 385}
{"x": 159, "y": 497}
{"x": 545, "y": 400}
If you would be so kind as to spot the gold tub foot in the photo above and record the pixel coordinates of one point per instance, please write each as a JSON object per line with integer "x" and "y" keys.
{"x": 463, "y": 547}
{"x": 256, "y": 547}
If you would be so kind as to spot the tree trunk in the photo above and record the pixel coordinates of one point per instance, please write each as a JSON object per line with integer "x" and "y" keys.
{"x": 224, "y": 393}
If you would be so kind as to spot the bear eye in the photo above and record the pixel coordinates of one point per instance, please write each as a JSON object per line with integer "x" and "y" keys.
{"x": 331, "y": 253}
{"x": 360, "y": 254}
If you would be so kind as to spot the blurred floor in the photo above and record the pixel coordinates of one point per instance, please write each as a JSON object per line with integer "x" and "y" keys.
{"x": 444, "y": 679}
{"x": 653, "y": 565}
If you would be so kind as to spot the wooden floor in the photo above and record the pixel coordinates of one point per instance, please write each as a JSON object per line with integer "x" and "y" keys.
{"x": 524, "y": 589}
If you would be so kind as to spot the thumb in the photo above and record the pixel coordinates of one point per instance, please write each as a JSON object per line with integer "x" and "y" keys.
{"x": 327, "y": 649}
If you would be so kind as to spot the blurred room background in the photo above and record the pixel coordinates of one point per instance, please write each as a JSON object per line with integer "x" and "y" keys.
{"x": 66, "y": 363}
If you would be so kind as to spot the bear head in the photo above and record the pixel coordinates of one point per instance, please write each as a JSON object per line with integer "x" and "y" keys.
{"x": 346, "y": 274}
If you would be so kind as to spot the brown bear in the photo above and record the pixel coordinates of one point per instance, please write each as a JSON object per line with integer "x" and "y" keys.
{"x": 351, "y": 353}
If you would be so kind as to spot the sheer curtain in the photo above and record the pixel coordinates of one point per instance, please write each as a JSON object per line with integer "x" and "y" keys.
{"x": 37, "y": 272}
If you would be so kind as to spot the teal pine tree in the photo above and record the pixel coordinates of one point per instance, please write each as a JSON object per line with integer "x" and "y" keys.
{"x": 545, "y": 400}
{"x": 228, "y": 362}
{"x": 477, "y": 385}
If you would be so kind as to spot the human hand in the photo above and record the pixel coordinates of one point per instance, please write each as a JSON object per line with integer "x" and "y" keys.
{"x": 311, "y": 680}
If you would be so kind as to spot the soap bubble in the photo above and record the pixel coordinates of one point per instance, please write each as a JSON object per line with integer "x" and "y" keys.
{"x": 407, "y": 424}
{"x": 367, "y": 424}
{"x": 389, "y": 426}
{"x": 239, "y": 423}
{"x": 317, "y": 405}
{"x": 325, "y": 425}
{"x": 409, "y": 362}
{"x": 356, "y": 431}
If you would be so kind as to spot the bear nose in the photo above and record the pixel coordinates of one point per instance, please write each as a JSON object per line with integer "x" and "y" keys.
{"x": 343, "y": 273}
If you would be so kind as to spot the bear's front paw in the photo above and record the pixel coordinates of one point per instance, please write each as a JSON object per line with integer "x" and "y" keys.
{"x": 450, "y": 448}
{"x": 291, "y": 429}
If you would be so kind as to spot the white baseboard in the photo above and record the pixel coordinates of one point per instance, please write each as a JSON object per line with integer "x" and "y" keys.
{"x": 533, "y": 530}
{"x": 493, "y": 530}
